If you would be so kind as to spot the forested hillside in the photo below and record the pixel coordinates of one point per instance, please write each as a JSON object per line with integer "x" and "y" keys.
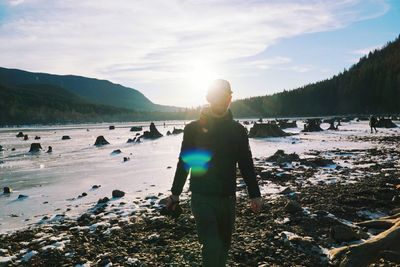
{"x": 92, "y": 90}
{"x": 370, "y": 86}
{"x": 43, "y": 103}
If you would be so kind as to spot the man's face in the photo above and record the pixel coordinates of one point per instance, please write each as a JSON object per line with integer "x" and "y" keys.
{"x": 219, "y": 102}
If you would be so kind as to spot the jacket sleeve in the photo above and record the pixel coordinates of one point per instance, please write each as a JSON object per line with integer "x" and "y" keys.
{"x": 182, "y": 172}
{"x": 246, "y": 165}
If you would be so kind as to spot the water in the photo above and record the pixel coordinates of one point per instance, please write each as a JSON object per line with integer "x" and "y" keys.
{"x": 76, "y": 164}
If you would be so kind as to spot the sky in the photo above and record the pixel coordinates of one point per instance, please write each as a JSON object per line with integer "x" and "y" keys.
{"x": 171, "y": 50}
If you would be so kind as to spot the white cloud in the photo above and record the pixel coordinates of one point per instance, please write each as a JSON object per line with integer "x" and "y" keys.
{"x": 366, "y": 50}
{"x": 157, "y": 42}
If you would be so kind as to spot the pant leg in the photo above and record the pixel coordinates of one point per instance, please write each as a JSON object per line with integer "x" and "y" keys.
{"x": 226, "y": 226}
{"x": 205, "y": 213}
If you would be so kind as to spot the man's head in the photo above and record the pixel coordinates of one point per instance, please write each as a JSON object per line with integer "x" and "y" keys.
{"x": 219, "y": 96}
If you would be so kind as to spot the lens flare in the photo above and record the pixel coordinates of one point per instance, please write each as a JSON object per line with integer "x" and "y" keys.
{"x": 197, "y": 161}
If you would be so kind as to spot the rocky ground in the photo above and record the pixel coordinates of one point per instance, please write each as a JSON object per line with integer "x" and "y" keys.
{"x": 316, "y": 200}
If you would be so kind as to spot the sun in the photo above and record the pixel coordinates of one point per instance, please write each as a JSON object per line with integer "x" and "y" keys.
{"x": 200, "y": 75}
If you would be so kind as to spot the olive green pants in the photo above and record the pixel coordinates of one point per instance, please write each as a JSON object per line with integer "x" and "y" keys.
{"x": 215, "y": 219}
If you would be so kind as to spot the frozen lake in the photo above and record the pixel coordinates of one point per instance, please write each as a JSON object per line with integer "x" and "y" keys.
{"x": 52, "y": 180}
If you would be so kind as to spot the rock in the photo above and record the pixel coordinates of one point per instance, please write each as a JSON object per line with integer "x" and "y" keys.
{"x": 286, "y": 191}
{"x": 118, "y": 193}
{"x": 151, "y": 197}
{"x": 385, "y": 123}
{"x": 26, "y": 137}
{"x": 13, "y": 149}
{"x": 6, "y": 190}
{"x": 153, "y": 133}
{"x": 37, "y": 137}
{"x": 1, "y": 148}
{"x": 332, "y": 125}
{"x": 126, "y": 159}
{"x": 131, "y": 140}
{"x": 293, "y": 207}
{"x": 101, "y": 141}
{"x": 22, "y": 196}
{"x": 103, "y": 200}
{"x": 343, "y": 233}
{"x": 35, "y": 147}
{"x": 84, "y": 194}
{"x": 96, "y": 186}
{"x": 49, "y": 150}
{"x": 317, "y": 162}
{"x": 177, "y": 131}
{"x": 65, "y": 137}
{"x": 283, "y": 124}
{"x": 136, "y": 128}
{"x": 312, "y": 125}
{"x": 20, "y": 134}
{"x": 112, "y": 127}
{"x": 280, "y": 157}
{"x": 266, "y": 130}
{"x": 116, "y": 152}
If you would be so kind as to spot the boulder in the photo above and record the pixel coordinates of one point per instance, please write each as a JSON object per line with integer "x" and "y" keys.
{"x": 332, "y": 125}
{"x": 103, "y": 200}
{"x": 266, "y": 130}
{"x": 65, "y": 137}
{"x": 6, "y": 190}
{"x": 385, "y": 123}
{"x": 317, "y": 162}
{"x": 112, "y": 127}
{"x": 116, "y": 152}
{"x": 281, "y": 157}
{"x": 136, "y": 128}
{"x": 312, "y": 125}
{"x": 20, "y": 134}
{"x": 101, "y": 141}
{"x": 118, "y": 193}
{"x": 283, "y": 124}
{"x": 35, "y": 147}
{"x": 153, "y": 133}
{"x": 343, "y": 233}
{"x": 177, "y": 131}
{"x": 293, "y": 207}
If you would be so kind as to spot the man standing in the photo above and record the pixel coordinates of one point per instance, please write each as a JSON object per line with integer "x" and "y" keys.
{"x": 211, "y": 148}
{"x": 372, "y": 123}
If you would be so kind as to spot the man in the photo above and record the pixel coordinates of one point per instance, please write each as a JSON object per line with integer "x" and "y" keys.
{"x": 211, "y": 148}
{"x": 372, "y": 123}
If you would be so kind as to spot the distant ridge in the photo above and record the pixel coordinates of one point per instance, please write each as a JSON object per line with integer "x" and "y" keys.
{"x": 370, "y": 86}
{"x": 92, "y": 90}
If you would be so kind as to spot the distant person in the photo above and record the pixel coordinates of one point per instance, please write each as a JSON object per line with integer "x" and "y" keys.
{"x": 372, "y": 123}
{"x": 211, "y": 148}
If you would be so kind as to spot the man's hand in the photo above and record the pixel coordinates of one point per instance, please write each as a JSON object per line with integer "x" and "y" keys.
{"x": 171, "y": 202}
{"x": 256, "y": 204}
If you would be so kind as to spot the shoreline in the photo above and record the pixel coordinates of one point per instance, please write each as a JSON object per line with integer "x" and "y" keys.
{"x": 295, "y": 226}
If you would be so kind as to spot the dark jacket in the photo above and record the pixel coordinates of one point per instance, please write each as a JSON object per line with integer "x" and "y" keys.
{"x": 227, "y": 143}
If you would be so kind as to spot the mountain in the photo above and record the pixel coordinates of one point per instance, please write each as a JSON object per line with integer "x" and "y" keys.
{"x": 44, "y": 103}
{"x": 372, "y": 86}
{"x": 92, "y": 90}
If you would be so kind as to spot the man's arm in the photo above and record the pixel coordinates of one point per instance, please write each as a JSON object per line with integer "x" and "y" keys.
{"x": 246, "y": 166}
{"x": 182, "y": 172}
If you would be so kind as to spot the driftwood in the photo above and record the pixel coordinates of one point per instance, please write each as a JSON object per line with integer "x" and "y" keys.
{"x": 385, "y": 245}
